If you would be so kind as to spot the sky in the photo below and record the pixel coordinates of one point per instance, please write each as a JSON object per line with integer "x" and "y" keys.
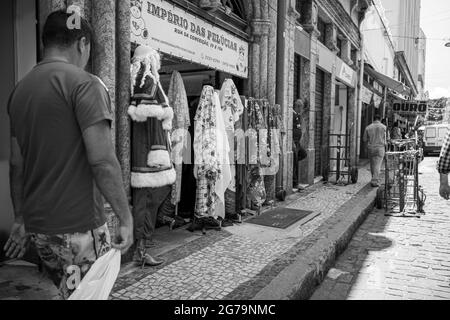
{"x": 435, "y": 22}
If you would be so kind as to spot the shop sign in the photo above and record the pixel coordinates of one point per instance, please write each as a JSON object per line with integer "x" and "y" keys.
{"x": 174, "y": 31}
{"x": 346, "y": 73}
{"x": 367, "y": 96}
{"x": 410, "y": 107}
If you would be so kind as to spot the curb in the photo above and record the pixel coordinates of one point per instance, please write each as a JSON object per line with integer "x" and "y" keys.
{"x": 299, "y": 280}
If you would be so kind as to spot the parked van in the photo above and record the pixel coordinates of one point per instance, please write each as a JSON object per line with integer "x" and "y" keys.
{"x": 434, "y": 136}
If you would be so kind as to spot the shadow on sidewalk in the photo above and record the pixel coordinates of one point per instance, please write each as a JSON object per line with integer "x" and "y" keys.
{"x": 352, "y": 266}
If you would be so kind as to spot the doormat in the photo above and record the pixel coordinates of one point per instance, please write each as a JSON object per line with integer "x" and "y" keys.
{"x": 280, "y": 218}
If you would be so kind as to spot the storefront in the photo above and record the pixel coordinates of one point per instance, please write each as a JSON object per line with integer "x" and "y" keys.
{"x": 236, "y": 41}
{"x": 202, "y": 54}
{"x": 201, "y": 51}
{"x": 18, "y": 56}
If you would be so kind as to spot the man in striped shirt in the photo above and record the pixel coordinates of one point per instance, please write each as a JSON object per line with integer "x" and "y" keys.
{"x": 443, "y": 167}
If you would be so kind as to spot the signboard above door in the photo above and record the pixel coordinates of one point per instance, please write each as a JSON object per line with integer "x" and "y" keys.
{"x": 410, "y": 107}
{"x": 171, "y": 30}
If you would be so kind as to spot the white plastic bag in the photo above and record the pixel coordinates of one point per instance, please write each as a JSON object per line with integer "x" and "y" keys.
{"x": 100, "y": 279}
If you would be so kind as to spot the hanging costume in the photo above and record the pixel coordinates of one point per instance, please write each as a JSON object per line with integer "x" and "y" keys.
{"x": 180, "y": 135}
{"x": 232, "y": 109}
{"x": 152, "y": 173}
{"x": 211, "y": 160}
{"x": 257, "y": 146}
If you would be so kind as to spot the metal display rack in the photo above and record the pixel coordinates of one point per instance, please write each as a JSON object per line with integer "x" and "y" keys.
{"x": 401, "y": 194}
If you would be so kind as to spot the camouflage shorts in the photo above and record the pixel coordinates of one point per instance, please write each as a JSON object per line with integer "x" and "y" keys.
{"x": 67, "y": 258}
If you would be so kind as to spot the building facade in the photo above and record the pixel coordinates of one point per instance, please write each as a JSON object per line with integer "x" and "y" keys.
{"x": 267, "y": 69}
{"x": 421, "y": 66}
{"x": 404, "y": 25}
{"x": 327, "y": 66}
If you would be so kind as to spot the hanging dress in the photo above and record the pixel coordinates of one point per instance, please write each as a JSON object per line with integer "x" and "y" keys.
{"x": 232, "y": 109}
{"x": 223, "y": 152}
{"x": 256, "y": 191}
{"x": 207, "y": 169}
{"x": 180, "y": 134}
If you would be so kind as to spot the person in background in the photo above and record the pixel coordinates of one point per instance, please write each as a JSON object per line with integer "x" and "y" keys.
{"x": 299, "y": 152}
{"x": 443, "y": 167}
{"x": 388, "y": 134}
{"x": 404, "y": 134}
{"x": 396, "y": 132}
{"x": 63, "y": 160}
{"x": 375, "y": 137}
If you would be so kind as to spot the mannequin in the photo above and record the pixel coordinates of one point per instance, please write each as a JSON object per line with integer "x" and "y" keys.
{"x": 152, "y": 173}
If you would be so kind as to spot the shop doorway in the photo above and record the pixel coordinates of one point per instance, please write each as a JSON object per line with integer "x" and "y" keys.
{"x": 318, "y": 136}
{"x": 339, "y": 124}
{"x": 195, "y": 77}
{"x": 17, "y": 57}
{"x": 366, "y": 119}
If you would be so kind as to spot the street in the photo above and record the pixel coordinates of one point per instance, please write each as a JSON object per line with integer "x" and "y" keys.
{"x": 396, "y": 258}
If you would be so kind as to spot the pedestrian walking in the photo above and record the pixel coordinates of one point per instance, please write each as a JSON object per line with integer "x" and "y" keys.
{"x": 375, "y": 137}
{"x": 63, "y": 160}
{"x": 298, "y": 151}
{"x": 443, "y": 167}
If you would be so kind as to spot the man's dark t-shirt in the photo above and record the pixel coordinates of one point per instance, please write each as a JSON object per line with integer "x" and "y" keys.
{"x": 49, "y": 110}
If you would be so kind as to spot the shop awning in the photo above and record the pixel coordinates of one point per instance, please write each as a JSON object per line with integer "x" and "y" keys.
{"x": 387, "y": 81}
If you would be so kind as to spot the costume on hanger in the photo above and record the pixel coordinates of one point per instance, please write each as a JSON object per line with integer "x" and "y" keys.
{"x": 152, "y": 173}
{"x": 210, "y": 156}
{"x": 232, "y": 109}
{"x": 271, "y": 168}
{"x": 181, "y": 123}
{"x": 257, "y": 145}
{"x": 223, "y": 150}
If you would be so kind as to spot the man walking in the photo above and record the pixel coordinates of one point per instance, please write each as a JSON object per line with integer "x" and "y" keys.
{"x": 63, "y": 160}
{"x": 443, "y": 167}
{"x": 375, "y": 137}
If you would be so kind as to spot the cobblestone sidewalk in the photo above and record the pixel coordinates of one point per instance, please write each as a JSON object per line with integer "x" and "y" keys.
{"x": 397, "y": 258}
{"x": 233, "y": 264}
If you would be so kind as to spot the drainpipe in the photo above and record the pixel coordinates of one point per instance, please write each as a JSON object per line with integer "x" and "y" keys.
{"x": 281, "y": 85}
{"x": 359, "y": 102}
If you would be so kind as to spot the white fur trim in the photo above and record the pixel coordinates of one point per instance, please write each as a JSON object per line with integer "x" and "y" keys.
{"x": 144, "y": 111}
{"x": 150, "y": 111}
{"x": 167, "y": 125}
{"x": 154, "y": 179}
{"x": 132, "y": 112}
{"x": 159, "y": 158}
{"x": 168, "y": 114}
{"x": 168, "y": 118}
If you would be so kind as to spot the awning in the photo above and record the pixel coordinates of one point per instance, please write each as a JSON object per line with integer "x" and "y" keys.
{"x": 387, "y": 81}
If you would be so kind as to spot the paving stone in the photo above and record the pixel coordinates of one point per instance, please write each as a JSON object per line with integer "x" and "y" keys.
{"x": 415, "y": 258}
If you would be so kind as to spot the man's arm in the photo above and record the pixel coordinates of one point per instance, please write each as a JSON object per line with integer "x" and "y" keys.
{"x": 108, "y": 177}
{"x": 443, "y": 167}
{"x": 16, "y": 178}
{"x": 15, "y": 247}
{"x": 365, "y": 136}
